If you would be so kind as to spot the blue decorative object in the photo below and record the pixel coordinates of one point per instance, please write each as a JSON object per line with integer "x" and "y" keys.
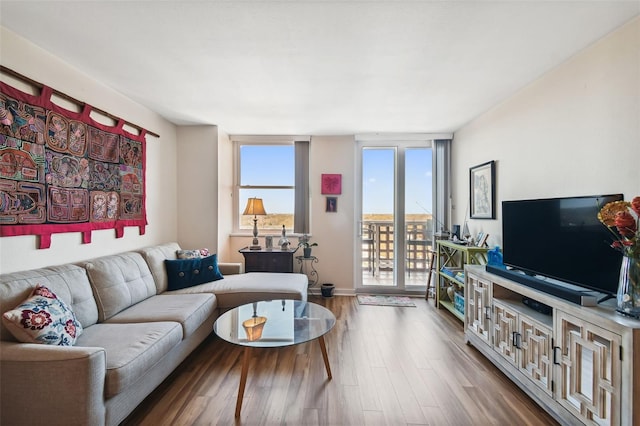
{"x": 494, "y": 257}
{"x": 458, "y": 302}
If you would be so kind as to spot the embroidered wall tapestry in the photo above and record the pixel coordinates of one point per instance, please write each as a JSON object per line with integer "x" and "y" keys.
{"x": 61, "y": 171}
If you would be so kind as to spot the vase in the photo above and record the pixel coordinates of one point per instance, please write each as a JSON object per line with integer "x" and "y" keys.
{"x": 283, "y": 242}
{"x": 629, "y": 287}
{"x": 306, "y": 252}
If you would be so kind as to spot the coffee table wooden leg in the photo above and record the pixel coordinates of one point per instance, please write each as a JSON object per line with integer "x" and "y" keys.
{"x": 323, "y": 348}
{"x": 243, "y": 380}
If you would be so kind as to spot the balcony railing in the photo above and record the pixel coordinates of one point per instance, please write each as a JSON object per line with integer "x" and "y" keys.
{"x": 378, "y": 239}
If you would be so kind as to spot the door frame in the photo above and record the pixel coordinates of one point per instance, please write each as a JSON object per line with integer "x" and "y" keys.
{"x": 399, "y": 142}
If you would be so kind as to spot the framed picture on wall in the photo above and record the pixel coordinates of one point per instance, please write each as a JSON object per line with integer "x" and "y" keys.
{"x": 332, "y": 205}
{"x": 482, "y": 191}
{"x": 331, "y": 184}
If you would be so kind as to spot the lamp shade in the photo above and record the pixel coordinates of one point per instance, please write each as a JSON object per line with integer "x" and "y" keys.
{"x": 254, "y": 207}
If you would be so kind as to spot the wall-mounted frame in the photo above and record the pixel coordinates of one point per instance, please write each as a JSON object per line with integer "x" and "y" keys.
{"x": 332, "y": 205}
{"x": 482, "y": 191}
{"x": 331, "y": 184}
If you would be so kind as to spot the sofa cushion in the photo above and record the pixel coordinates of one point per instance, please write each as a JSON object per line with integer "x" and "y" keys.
{"x": 236, "y": 290}
{"x": 43, "y": 318}
{"x": 119, "y": 281}
{"x": 132, "y": 349}
{"x": 190, "y": 310}
{"x": 183, "y": 273}
{"x": 69, "y": 282}
{"x": 155, "y": 257}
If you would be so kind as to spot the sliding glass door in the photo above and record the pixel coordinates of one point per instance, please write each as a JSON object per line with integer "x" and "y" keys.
{"x": 395, "y": 205}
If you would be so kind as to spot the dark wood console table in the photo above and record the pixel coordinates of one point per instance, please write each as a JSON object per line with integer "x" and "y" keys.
{"x": 271, "y": 260}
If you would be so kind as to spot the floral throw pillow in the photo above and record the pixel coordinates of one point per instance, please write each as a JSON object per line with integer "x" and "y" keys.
{"x": 192, "y": 254}
{"x": 43, "y": 318}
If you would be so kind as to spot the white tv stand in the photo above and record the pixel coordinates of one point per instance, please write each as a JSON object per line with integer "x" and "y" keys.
{"x": 577, "y": 362}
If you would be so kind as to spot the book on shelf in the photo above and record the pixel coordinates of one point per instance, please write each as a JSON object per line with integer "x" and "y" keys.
{"x": 448, "y": 272}
{"x": 456, "y": 274}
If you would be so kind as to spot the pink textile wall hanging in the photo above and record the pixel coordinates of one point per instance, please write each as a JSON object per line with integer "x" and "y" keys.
{"x": 61, "y": 171}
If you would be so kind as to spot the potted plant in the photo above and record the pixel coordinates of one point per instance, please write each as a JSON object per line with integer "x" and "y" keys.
{"x": 306, "y": 245}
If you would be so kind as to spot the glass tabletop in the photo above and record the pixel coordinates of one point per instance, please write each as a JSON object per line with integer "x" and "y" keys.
{"x": 274, "y": 323}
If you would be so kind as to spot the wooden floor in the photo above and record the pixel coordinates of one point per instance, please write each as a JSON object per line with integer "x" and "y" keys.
{"x": 390, "y": 365}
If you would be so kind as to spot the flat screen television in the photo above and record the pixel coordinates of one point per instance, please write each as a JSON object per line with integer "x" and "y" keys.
{"x": 562, "y": 238}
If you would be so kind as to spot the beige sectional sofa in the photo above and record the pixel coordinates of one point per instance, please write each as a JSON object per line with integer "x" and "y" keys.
{"x": 135, "y": 333}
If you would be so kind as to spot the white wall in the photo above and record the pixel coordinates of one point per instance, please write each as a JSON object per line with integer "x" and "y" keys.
{"x": 198, "y": 187}
{"x": 19, "y": 253}
{"x": 334, "y": 232}
{"x": 574, "y": 131}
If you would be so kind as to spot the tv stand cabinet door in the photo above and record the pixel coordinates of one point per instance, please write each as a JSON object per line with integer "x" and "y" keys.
{"x": 536, "y": 358}
{"x": 505, "y": 332}
{"x": 478, "y": 310}
{"x": 589, "y": 370}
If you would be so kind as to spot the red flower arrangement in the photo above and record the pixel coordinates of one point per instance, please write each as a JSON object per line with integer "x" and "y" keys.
{"x": 621, "y": 218}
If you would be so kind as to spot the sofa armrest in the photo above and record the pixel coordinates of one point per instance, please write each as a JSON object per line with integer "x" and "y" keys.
{"x": 44, "y": 384}
{"x": 228, "y": 268}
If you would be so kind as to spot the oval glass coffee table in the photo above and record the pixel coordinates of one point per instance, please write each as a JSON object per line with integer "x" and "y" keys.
{"x": 274, "y": 324}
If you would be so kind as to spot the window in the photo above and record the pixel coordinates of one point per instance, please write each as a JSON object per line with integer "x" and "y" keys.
{"x": 276, "y": 172}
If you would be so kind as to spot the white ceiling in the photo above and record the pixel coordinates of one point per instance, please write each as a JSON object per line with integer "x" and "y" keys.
{"x": 316, "y": 67}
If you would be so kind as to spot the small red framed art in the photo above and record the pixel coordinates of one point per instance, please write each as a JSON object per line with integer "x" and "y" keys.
{"x": 331, "y": 184}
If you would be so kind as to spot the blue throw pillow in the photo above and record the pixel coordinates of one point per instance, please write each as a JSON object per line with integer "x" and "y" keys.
{"x": 183, "y": 273}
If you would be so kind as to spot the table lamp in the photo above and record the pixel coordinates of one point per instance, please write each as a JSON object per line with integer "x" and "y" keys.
{"x": 255, "y": 208}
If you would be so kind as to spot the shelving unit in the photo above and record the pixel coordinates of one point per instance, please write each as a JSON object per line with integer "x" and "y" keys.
{"x": 453, "y": 257}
